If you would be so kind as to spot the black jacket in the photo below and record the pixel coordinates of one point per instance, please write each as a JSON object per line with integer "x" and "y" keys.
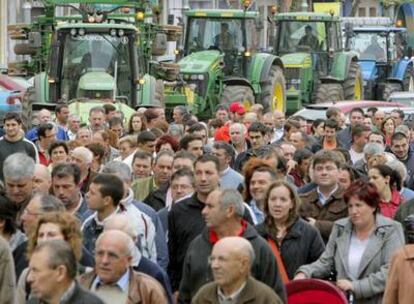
{"x": 156, "y": 198}
{"x": 345, "y": 137}
{"x": 79, "y": 296}
{"x": 242, "y": 158}
{"x": 197, "y": 272}
{"x": 185, "y": 222}
{"x": 302, "y": 245}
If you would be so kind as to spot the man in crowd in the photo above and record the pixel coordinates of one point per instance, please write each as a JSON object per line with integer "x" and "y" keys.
{"x": 229, "y": 178}
{"x": 401, "y": 149}
{"x": 178, "y": 114}
{"x": 142, "y": 164}
{"x": 62, "y": 115}
{"x": 73, "y": 126}
{"x": 83, "y": 157}
{"x": 46, "y": 134}
{"x": 223, "y": 213}
{"x": 356, "y": 116}
{"x": 237, "y": 138}
{"x": 359, "y": 140}
{"x": 52, "y": 275}
{"x": 97, "y": 119}
{"x": 193, "y": 144}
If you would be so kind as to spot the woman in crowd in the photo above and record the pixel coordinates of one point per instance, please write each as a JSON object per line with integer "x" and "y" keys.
{"x": 127, "y": 145}
{"x": 136, "y": 124}
{"x": 346, "y": 176}
{"x": 293, "y": 241}
{"x": 167, "y": 142}
{"x": 388, "y": 128}
{"x": 388, "y": 184}
{"x": 59, "y": 153}
{"x": 360, "y": 247}
{"x": 8, "y": 227}
{"x": 55, "y": 226}
{"x": 318, "y": 128}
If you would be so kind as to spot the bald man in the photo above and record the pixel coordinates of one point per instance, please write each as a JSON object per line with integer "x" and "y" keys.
{"x": 124, "y": 223}
{"x": 113, "y": 280}
{"x": 45, "y": 116}
{"x": 230, "y": 262}
{"x": 42, "y": 179}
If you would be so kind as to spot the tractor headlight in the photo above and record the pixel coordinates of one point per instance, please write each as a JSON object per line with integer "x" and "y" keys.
{"x": 81, "y": 32}
{"x": 73, "y": 32}
{"x": 197, "y": 77}
{"x": 113, "y": 32}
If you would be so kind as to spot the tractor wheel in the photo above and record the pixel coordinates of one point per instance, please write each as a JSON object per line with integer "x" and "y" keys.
{"x": 408, "y": 81}
{"x": 24, "y": 49}
{"x": 159, "y": 93}
{"x": 389, "y": 88}
{"x": 274, "y": 91}
{"x": 329, "y": 92}
{"x": 27, "y": 112}
{"x": 353, "y": 85}
{"x": 242, "y": 94}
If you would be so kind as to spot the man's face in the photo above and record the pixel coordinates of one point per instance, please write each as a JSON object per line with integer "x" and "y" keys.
{"x": 400, "y": 148}
{"x": 44, "y": 116}
{"x": 195, "y": 147}
{"x": 202, "y": 134}
{"x": 268, "y": 121}
{"x": 110, "y": 115}
{"x": 94, "y": 197}
{"x": 379, "y": 116}
{"x": 326, "y": 174}
{"x": 330, "y": 133}
{"x": 50, "y": 136}
{"x": 362, "y": 139}
{"x": 222, "y": 115}
{"x": 97, "y": 120}
{"x": 20, "y": 190}
{"x": 177, "y": 116}
{"x": 367, "y": 122}
{"x": 149, "y": 146}
{"x": 288, "y": 151}
{"x": 356, "y": 118}
{"x": 376, "y": 138}
{"x": 142, "y": 167}
{"x": 30, "y": 215}
{"x": 163, "y": 169}
{"x": 41, "y": 181}
{"x": 43, "y": 280}
{"x": 212, "y": 212}
{"x": 84, "y": 136}
{"x": 397, "y": 119}
{"x": 206, "y": 177}
{"x": 180, "y": 163}
{"x": 74, "y": 124}
{"x": 296, "y": 140}
{"x": 223, "y": 158}
{"x": 180, "y": 187}
{"x": 257, "y": 140}
{"x": 77, "y": 158}
{"x": 63, "y": 115}
{"x": 236, "y": 135}
{"x": 12, "y": 128}
{"x": 111, "y": 259}
{"x": 65, "y": 189}
{"x": 118, "y": 129}
{"x": 161, "y": 114}
{"x": 125, "y": 149}
{"x": 259, "y": 184}
{"x": 279, "y": 119}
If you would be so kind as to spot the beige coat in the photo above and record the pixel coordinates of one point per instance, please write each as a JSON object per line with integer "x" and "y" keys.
{"x": 7, "y": 275}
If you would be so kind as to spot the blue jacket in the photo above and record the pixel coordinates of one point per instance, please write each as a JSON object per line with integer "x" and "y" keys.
{"x": 60, "y": 135}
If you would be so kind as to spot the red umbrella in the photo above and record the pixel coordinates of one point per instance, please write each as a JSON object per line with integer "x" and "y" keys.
{"x": 313, "y": 291}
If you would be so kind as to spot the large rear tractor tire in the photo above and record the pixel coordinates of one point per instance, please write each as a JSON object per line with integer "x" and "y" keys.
{"x": 408, "y": 81}
{"x": 389, "y": 88}
{"x": 27, "y": 111}
{"x": 242, "y": 94}
{"x": 327, "y": 92}
{"x": 353, "y": 84}
{"x": 274, "y": 91}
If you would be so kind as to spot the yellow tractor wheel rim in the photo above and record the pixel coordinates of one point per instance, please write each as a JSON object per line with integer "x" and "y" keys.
{"x": 277, "y": 98}
{"x": 358, "y": 89}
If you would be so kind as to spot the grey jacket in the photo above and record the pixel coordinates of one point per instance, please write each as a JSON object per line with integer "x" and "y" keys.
{"x": 373, "y": 270}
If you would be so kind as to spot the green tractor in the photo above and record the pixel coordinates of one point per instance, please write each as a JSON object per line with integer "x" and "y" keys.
{"x": 91, "y": 57}
{"x": 222, "y": 63}
{"x": 317, "y": 69}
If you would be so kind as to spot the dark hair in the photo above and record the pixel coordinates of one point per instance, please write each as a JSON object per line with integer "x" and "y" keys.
{"x": 196, "y": 127}
{"x": 65, "y": 170}
{"x": 151, "y": 114}
{"x": 324, "y": 156}
{"x": 302, "y": 154}
{"x": 395, "y": 178}
{"x": 258, "y": 127}
{"x": 364, "y": 191}
{"x": 253, "y": 165}
{"x": 330, "y": 123}
{"x": 115, "y": 121}
{"x": 358, "y": 130}
{"x": 398, "y": 136}
{"x": 167, "y": 139}
{"x": 8, "y": 215}
{"x": 142, "y": 155}
{"x": 61, "y": 106}
{"x": 385, "y": 121}
{"x": 332, "y": 111}
{"x": 399, "y": 112}
{"x": 56, "y": 144}
{"x": 110, "y": 185}
{"x": 357, "y": 109}
{"x": 185, "y": 154}
{"x": 182, "y": 173}
{"x": 41, "y": 130}
{"x": 97, "y": 149}
{"x": 372, "y": 109}
{"x": 143, "y": 121}
{"x": 108, "y": 108}
{"x": 208, "y": 158}
{"x": 222, "y": 145}
{"x": 221, "y": 107}
{"x": 290, "y": 124}
{"x": 343, "y": 153}
{"x": 377, "y": 133}
{"x": 145, "y": 136}
{"x": 316, "y": 124}
{"x": 185, "y": 141}
{"x": 13, "y": 116}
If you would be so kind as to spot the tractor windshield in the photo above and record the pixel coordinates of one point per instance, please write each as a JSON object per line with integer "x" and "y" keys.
{"x": 369, "y": 45}
{"x": 96, "y": 66}
{"x": 298, "y": 36}
{"x": 226, "y": 35}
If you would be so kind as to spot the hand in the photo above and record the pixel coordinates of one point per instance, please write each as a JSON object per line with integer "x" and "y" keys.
{"x": 311, "y": 221}
{"x": 300, "y": 276}
{"x": 344, "y": 285}
{"x": 175, "y": 296}
{"x": 291, "y": 164}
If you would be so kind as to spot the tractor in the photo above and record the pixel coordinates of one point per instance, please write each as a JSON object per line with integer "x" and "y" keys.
{"x": 384, "y": 56}
{"x": 91, "y": 56}
{"x": 221, "y": 62}
{"x": 317, "y": 68}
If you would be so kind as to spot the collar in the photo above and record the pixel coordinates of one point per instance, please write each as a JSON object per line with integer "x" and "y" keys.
{"x": 136, "y": 256}
{"x": 322, "y": 197}
{"x": 231, "y": 298}
{"x": 68, "y": 293}
{"x": 101, "y": 223}
{"x": 225, "y": 171}
{"x": 79, "y": 204}
{"x": 128, "y": 199}
{"x": 122, "y": 283}
{"x": 395, "y": 198}
{"x": 213, "y": 237}
{"x": 181, "y": 199}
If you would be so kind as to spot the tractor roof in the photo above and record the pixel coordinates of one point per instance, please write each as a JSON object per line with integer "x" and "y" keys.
{"x": 390, "y": 29}
{"x": 306, "y": 17}
{"x": 103, "y": 26}
{"x": 221, "y": 13}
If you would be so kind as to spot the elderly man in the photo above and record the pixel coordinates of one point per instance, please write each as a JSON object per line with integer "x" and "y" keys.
{"x": 83, "y": 157}
{"x": 237, "y": 137}
{"x": 52, "y": 273}
{"x": 42, "y": 180}
{"x": 113, "y": 280}
{"x": 223, "y": 214}
{"x": 45, "y": 116}
{"x": 230, "y": 261}
{"x": 97, "y": 119}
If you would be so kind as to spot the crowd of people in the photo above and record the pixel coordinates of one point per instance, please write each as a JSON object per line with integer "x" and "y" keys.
{"x": 146, "y": 209}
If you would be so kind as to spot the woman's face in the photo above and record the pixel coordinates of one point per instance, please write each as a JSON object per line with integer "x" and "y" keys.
{"x": 136, "y": 123}
{"x": 360, "y": 213}
{"x": 59, "y": 155}
{"x": 379, "y": 181}
{"x": 344, "y": 179}
{"x": 320, "y": 130}
{"x": 49, "y": 231}
{"x": 125, "y": 149}
{"x": 280, "y": 203}
{"x": 389, "y": 127}
{"x": 166, "y": 147}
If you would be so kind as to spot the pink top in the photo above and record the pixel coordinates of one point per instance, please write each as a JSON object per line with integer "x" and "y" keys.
{"x": 389, "y": 209}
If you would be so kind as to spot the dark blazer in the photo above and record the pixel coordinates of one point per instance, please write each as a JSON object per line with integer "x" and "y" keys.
{"x": 79, "y": 296}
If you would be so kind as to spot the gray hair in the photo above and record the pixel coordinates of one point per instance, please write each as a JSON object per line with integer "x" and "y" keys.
{"x": 231, "y": 197}
{"x": 17, "y": 166}
{"x": 398, "y": 166}
{"x": 85, "y": 153}
{"x": 59, "y": 253}
{"x": 175, "y": 130}
{"x": 118, "y": 168}
{"x": 373, "y": 148}
{"x": 163, "y": 153}
{"x": 49, "y": 203}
